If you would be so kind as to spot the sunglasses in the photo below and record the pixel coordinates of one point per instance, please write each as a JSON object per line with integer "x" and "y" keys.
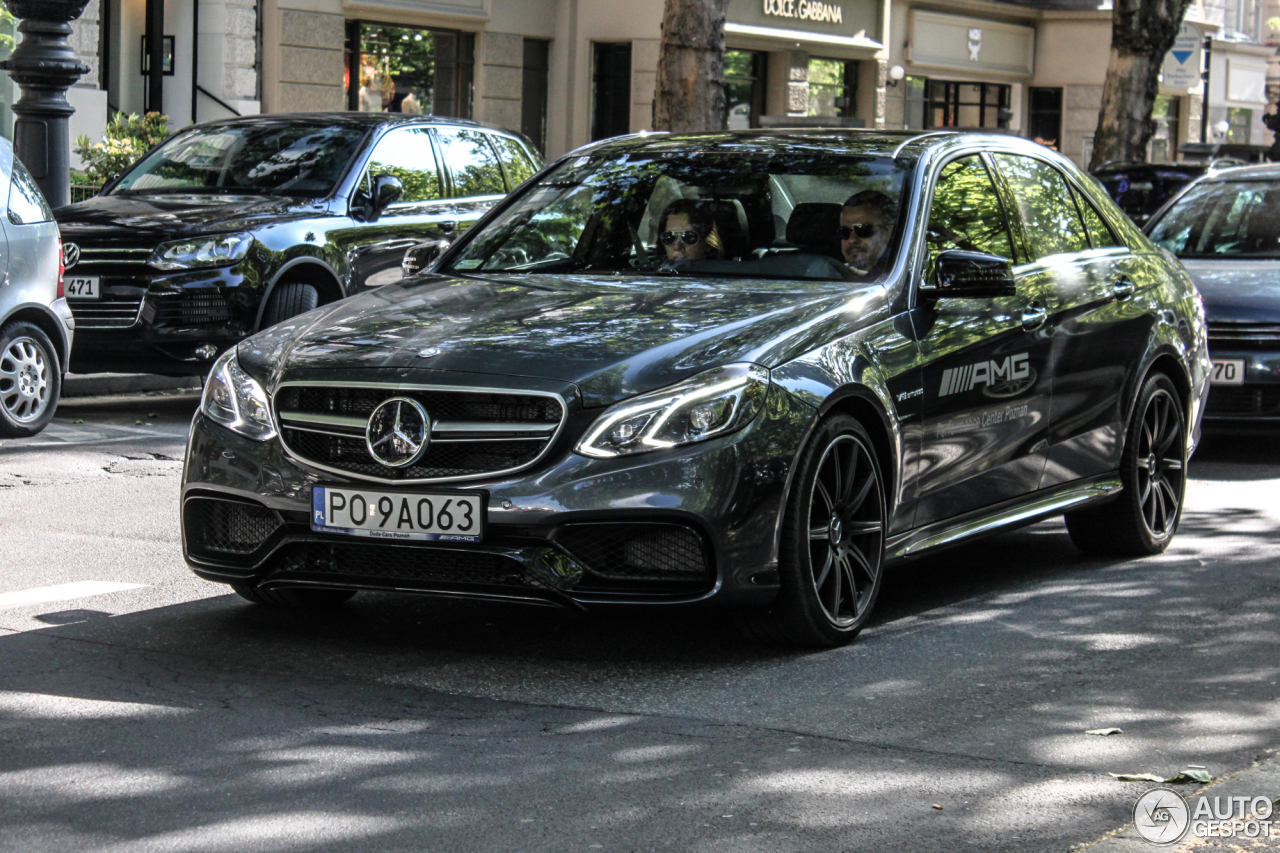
{"x": 689, "y": 238}
{"x": 863, "y": 231}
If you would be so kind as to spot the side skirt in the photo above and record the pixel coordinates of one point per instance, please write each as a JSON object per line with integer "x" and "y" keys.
{"x": 1014, "y": 513}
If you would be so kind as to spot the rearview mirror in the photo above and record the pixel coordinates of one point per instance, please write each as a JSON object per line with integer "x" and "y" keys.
{"x": 959, "y": 274}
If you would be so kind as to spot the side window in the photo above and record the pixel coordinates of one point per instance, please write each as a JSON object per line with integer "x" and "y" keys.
{"x": 1099, "y": 234}
{"x": 471, "y": 160}
{"x": 519, "y": 167}
{"x": 26, "y": 203}
{"x": 406, "y": 153}
{"x": 1043, "y": 198}
{"x": 966, "y": 212}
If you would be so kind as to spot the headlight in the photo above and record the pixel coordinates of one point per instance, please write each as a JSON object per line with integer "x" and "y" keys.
{"x": 201, "y": 252}
{"x": 713, "y": 403}
{"x": 235, "y": 399}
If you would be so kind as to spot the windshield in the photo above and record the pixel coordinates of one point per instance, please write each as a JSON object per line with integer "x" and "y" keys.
{"x": 752, "y": 212}
{"x": 1223, "y": 219}
{"x": 270, "y": 158}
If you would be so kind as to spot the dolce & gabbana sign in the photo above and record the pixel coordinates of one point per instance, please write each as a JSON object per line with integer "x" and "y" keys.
{"x": 805, "y": 10}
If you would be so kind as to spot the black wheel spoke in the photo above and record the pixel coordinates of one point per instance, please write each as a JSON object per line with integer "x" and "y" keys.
{"x": 863, "y": 528}
{"x": 850, "y": 474}
{"x": 861, "y": 560}
{"x": 846, "y": 567}
{"x": 860, "y": 494}
{"x": 826, "y": 569}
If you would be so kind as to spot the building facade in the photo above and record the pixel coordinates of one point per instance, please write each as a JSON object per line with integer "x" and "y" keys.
{"x": 565, "y": 72}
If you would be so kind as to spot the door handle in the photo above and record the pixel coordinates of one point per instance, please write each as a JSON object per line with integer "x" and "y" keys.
{"x": 1033, "y": 316}
{"x": 1123, "y": 290}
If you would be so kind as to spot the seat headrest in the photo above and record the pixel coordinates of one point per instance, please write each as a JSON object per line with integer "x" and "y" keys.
{"x": 814, "y": 223}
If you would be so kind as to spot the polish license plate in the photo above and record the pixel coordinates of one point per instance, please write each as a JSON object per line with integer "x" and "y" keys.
{"x": 429, "y": 517}
{"x": 82, "y": 286}
{"x": 1227, "y": 371}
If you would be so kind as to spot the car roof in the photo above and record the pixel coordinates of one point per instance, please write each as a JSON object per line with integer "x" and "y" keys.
{"x": 352, "y": 119}
{"x": 1261, "y": 172}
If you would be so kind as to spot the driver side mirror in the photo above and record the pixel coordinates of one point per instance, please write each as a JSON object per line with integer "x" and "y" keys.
{"x": 419, "y": 257}
{"x": 387, "y": 190}
{"x": 968, "y": 275}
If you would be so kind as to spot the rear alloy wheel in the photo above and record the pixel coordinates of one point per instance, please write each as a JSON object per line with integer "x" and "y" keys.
{"x": 1153, "y": 470}
{"x": 294, "y": 598}
{"x": 289, "y": 299}
{"x": 29, "y": 380}
{"x": 832, "y": 547}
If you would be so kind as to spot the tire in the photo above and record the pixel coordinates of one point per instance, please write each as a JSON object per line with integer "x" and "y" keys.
{"x": 30, "y": 380}
{"x": 289, "y": 300}
{"x": 1143, "y": 519}
{"x": 832, "y": 549}
{"x": 294, "y": 599}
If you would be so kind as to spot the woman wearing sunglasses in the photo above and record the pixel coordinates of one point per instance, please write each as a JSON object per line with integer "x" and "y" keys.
{"x": 689, "y": 232}
{"x": 866, "y": 226}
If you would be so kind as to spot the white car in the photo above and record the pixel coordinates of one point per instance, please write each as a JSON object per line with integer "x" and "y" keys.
{"x": 35, "y": 323}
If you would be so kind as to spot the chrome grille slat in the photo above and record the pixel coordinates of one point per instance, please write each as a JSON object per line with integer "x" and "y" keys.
{"x": 476, "y": 432}
{"x": 105, "y": 313}
{"x": 1244, "y": 334}
{"x": 117, "y": 260}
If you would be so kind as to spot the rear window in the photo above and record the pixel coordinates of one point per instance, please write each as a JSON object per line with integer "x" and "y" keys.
{"x": 519, "y": 167}
{"x": 26, "y": 203}
{"x": 1223, "y": 219}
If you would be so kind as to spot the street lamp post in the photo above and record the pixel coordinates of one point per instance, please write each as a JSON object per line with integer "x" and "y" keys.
{"x": 44, "y": 67}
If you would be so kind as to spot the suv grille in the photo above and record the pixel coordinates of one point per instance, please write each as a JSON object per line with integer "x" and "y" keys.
{"x": 473, "y": 433}
{"x": 1244, "y": 335}
{"x": 112, "y": 261}
{"x": 191, "y": 307}
{"x": 1249, "y": 400}
{"x": 109, "y": 312}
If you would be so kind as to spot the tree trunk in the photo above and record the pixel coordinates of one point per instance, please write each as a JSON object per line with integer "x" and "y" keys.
{"x": 689, "y": 93}
{"x": 1142, "y": 32}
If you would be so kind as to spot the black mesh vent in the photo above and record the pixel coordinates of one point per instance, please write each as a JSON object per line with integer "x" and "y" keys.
{"x": 1250, "y": 400}
{"x": 192, "y": 308}
{"x": 458, "y": 459}
{"x": 401, "y": 563}
{"x": 653, "y": 552}
{"x": 228, "y": 527}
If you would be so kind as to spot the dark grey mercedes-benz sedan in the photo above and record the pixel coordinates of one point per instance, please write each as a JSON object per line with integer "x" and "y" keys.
{"x": 745, "y": 369}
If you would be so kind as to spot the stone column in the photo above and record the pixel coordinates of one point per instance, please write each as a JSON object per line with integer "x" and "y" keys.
{"x": 44, "y": 66}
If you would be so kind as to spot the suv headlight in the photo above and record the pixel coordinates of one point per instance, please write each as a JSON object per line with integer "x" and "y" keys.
{"x": 199, "y": 252}
{"x": 234, "y": 399}
{"x": 710, "y": 404}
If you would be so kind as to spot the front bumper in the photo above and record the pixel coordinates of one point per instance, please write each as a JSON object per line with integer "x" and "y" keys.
{"x": 1255, "y": 403}
{"x": 563, "y": 533}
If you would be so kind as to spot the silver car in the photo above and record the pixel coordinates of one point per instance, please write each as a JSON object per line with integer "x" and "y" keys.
{"x": 35, "y": 322}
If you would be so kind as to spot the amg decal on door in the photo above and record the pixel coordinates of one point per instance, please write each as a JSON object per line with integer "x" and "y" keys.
{"x": 957, "y": 379}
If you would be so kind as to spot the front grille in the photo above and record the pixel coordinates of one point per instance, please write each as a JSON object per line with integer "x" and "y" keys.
{"x": 227, "y": 527}
{"x": 109, "y": 312}
{"x": 473, "y": 434}
{"x": 1244, "y": 335}
{"x": 400, "y": 563}
{"x": 112, "y": 261}
{"x": 191, "y": 307}
{"x": 1246, "y": 400}
{"x": 638, "y": 552}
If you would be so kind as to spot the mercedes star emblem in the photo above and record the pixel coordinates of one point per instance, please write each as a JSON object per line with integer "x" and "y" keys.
{"x": 70, "y": 255}
{"x": 398, "y": 433}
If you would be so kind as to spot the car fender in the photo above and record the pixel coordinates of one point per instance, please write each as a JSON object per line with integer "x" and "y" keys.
{"x": 285, "y": 268}
{"x": 50, "y": 322}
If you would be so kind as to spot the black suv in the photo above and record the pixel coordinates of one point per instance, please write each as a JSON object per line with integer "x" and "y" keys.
{"x": 749, "y": 369}
{"x": 232, "y": 226}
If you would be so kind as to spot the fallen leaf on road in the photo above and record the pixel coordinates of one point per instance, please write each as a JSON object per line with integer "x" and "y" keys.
{"x": 1137, "y": 777}
{"x": 79, "y": 420}
{"x": 1104, "y": 732}
{"x": 1191, "y": 774}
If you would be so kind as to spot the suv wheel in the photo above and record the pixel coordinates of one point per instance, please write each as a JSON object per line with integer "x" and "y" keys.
{"x": 296, "y": 599}
{"x": 29, "y": 380}
{"x": 832, "y": 548}
{"x": 1143, "y": 519}
{"x": 289, "y": 300}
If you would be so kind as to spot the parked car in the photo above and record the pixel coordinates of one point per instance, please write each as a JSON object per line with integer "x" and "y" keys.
{"x": 36, "y": 327}
{"x": 746, "y": 369}
{"x": 231, "y": 226}
{"x": 1140, "y": 189}
{"x": 1226, "y": 231}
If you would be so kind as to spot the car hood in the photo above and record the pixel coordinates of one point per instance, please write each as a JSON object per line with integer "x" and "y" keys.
{"x": 1238, "y": 291}
{"x": 611, "y": 338}
{"x": 164, "y": 216}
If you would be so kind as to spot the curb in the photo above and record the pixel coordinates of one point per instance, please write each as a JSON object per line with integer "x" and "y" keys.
{"x": 110, "y": 384}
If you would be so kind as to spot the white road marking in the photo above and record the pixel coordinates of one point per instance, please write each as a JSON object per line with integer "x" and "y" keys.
{"x": 63, "y": 592}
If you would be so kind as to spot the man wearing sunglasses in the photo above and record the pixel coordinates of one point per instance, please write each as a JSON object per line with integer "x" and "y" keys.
{"x": 866, "y": 227}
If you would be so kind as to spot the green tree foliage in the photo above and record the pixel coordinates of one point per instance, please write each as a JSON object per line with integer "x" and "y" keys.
{"x": 128, "y": 137}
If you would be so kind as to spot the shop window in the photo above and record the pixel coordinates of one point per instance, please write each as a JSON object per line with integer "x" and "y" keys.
{"x": 950, "y": 104}
{"x": 1240, "y": 121}
{"x": 533, "y": 93}
{"x": 914, "y": 91}
{"x": 411, "y": 70}
{"x": 833, "y": 86}
{"x": 1044, "y": 122}
{"x": 744, "y": 75}
{"x": 611, "y": 90}
{"x": 1164, "y": 142}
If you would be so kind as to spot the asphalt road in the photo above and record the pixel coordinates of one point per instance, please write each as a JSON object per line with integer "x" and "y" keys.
{"x": 150, "y": 711}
